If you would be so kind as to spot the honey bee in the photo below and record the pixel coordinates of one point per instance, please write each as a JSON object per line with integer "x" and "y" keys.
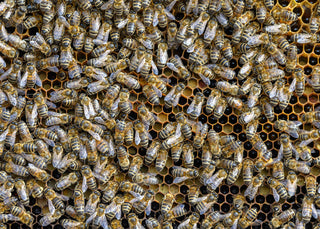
{"x": 204, "y": 203}
{"x": 194, "y": 109}
{"x": 215, "y": 180}
{"x": 181, "y": 174}
{"x": 98, "y": 218}
{"x": 134, "y": 222}
{"x": 232, "y": 219}
{"x": 110, "y": 191}
{"x": 284, "y": 15}
{"x": 69, "y": 223}
{"x": 315, "y": 79}
{"x": 93, "y": 129}
{"x": 7, "y": 50}
{"x": 307, "y": 206}
{"x": 251, "y": 129}
{"x": 267, "y": 108}
{"x": 161, "y": 159}
{"x": 13, "y": 73}
{"x": 135, "y": 166}
{"x": 22, "y": 191}
{"x": 304, "y": 152}
{"x": 248, "y": 116}
{"x": 226, "y": 87}
{"x": 300, "y": 81}
{"x": 67, "y": 181}
{"x": 10, "y": 92}
{"x": 213, "y": 143}
{"x": 16, "y": 113}
{"x": 311, "y": 185}
{"x": 291, "y": 183}
{"x": 144, "y": 204}
{"x": 92, "y": 202}
{"x": 175, "y": 212}
{"x": 290, "y": 127}
{"x": 153, "y": 223}
{"x": 167, "y": 131}
{"x": 248, "y": 218}
{"x": 162, "y": 15}
{"x": 172, "y": 98}
{"x": 122, "y": 156}
{"x": 39, "y": 42}
{"x": 38, "y": 173}
{"x": 89, "y": 180}
{"x": 152, "y": 152}
{"x": 176, "y": 65}
{"x": 283, "y": 217}
{"x": 253, "y": 187}
{"x": 201, "y": 134}
{"x": 55, "y": 201}
{"x": 278, "y": 189}
{"x": 298, "y": 166}
{"x": 24, "y": 216}
{"x": 51, "y": 217}
{"x": 191, "y": 222}
{"x": 243, "y": 20}
{"x": 79, "y": 201}
{"x": 47, "y": 135}
{"x": 34, "y": 188}
{"x": 141, "y": 134}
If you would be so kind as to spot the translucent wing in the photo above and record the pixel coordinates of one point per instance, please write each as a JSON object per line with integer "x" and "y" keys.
{"x": 172, "y": 67}
{"x": 23, "y": 81}
{"x": 155, "y": 18}
{"x": 184, "y": 224}
{"x": 275, "y": 195}
{"x": 84, "y": 185}
{"x": 94, "y": 135}
{"x": 122, "y": 24}
{"x": 4, "y": 135}
{"x": 179, "y": 179}
{"x": 154, "y": 68}
{"x": 141, "y": 65}
{"x": 114, "y": 106}
{"x": 51, "y": 207}
{"x": 169, "y": 15}
{"x": 137, "y": 138}
{"x": 148, "y": 209}
{"x": 206, "y": 80}
{"x": 89, "y": 220}
{"x": 191, "y": 107}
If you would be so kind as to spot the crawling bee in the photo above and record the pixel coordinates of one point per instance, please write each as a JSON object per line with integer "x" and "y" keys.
{"x": 195, "y": 107}
{"x": 24, "y": 216}
{"x": 283, "y": 217}
{"x": 290, "y": 127}
{"x": 176, "y": 65}
{"x": 181, "y": 174}
{"x": 253, "y": 187}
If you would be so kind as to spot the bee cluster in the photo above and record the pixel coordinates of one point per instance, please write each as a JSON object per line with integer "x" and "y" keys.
{"x": 82, "y": 82}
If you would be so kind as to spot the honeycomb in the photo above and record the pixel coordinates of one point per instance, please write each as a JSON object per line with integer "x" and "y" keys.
{"x": 227, "y": 125}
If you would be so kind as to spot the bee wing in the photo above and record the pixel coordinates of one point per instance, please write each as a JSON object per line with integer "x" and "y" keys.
{"x": 52, "y": 209}
{"x": 275, "y": 195}
{"x": 52, "y": 119}
{"x": 206, "y": 80}
{"x": 103, "y": 222}
{"x": 84, "y": 186}
{"x": 4, "y": 135}
{"x": 86, "y": 111}
{"x": 235, "y": 224}
{"x": 178, "y": 59}
{"x": 88, "y": 221}
{"x": 123, "y": 23}
{"x": 293, "y": 85}
{"x": 169, "y": 15}
{"x": 137, "y": 138}
{"x": 194, "y": 24}
{"x": 159, "y": 93}
{"x": 172, "y": 67}
{"x": 114, "y": 106}
{"x": 250, "y": 191}
{"x": 83, "y": 154}
{"x": 107, "y": 5}
{"x": 141, "y": 65}
{"x": 191, "y": 107}
{"x": 4, "y": 76}
{"x": 273, "y": 92}
{"x": 171, "y": 5}
{"x": 179, "y": 179}
{"x": 148, "y": 209}
{"x": 291, "y": 187}
{"x": 184, "y": 224}
{"x": 154, "y": 68}
{"x": 23, "y": 81}
{"x": 112, "y": 150}
{"x": 169, "y": 96}
{"x": 94, "y": 135}
{"x": 163, "y": 56}
{"x": 280, "y": 153}
{"x": 155, "y": 18}
{"x": 178, "y": 131}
